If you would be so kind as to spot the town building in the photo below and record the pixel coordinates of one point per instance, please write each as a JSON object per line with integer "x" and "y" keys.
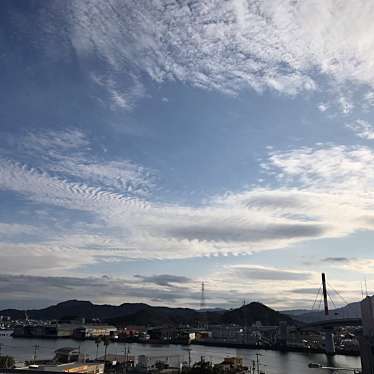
{"x": 78, "y": 330}
{"x": 71, "y": 367}
{"x": 366, "y": 341}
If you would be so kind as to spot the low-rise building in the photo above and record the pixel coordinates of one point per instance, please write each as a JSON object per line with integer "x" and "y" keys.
{"x": 94, "y": 330}
{"x": 159, "y": 363}
{"x": 71, "y": 367}
{"x": 231, "y": 365}
{"x": 74, "y": 329}
{"x": 67, "y": 355}
{"x": 132, "y": 331}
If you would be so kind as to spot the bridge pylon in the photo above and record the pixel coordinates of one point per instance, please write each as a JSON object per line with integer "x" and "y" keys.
{"x": 328, "y": 331}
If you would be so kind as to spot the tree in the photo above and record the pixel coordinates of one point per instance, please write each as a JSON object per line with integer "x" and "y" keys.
{"x": 98, "y": 340}
{"x": 106, "y": 345}
{"x": 7, "y": 362}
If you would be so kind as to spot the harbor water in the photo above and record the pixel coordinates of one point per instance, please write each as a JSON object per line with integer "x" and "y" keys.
{"x": 273, "y": 362}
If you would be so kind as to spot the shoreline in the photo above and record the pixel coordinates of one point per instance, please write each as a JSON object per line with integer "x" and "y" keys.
{"x": 208, "y": 344}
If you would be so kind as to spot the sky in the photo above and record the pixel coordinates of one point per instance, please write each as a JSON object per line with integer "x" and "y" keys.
{"x": 149, "y": 146}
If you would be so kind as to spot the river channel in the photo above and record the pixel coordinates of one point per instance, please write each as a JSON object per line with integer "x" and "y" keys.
{"x": 273, "y": 362}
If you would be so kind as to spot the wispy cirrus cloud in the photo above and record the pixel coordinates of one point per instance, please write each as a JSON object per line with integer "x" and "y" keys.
{"x": 362, "y": 129}
{"x": 121, "y": 97}
{"x": 268, "y": 274}
{"x": 236, "y": 44}
{"x": 356, "y": 264}
{"x": 283, "y": 46}
{"x": 164, "y": 279}
{"x": 68, "y": 155}
{"x": 336, "y": 260}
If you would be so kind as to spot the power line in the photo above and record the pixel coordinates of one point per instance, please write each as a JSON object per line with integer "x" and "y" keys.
{"x": 342, "y": 298}
{"x": 332, "y": 301}
{"x": 319, "y": 290}
{"x": 320, "y": 302}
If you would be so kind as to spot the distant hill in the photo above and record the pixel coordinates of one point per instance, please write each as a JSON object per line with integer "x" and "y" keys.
{"x": 250, "y": 313}
{"x": 76, "y": 309}
{"x": 351, "y": 310}
{"x": 295, "y": 312}
{"x": 151, "y": 315}
{"x": 15, "y": 314}
{"x": 143, "y": 314}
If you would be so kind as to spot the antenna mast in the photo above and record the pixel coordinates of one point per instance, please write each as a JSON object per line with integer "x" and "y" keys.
{"x": 203, "y": 320}
{"x": 202, "y": 299}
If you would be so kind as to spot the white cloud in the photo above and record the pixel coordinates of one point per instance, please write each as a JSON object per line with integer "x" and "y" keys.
{"x": 269, "y": 285}
{"x": 322, "y": 107}
{"x": 277, "y": 287}
{"x": 53, "y": 141}
{"x": 13, "y": 229}
{"x": 26, "y": 288}
{"x": 232, "y": 45}
{"x": 346, "y": 106}
{"x": 224, "y": 289}
{"x": 67, "y": 153}
{"x": 267, "y": 274}
{"x": 326, "y": 192}
{"x": 369, "y": 98}
{"x": 361, "y": 265}
{"x": 286, "y": 46}
{"x": 121, "y": 97}
{"x": 362, "y": 128}
{"x": 326, "y": 168}
{"x": 134, "y": 227}
{"x": 40, "y": 258}
{"x": 164, "y": 289}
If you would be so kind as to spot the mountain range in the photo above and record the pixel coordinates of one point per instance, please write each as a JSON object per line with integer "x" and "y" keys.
{"x": 143, "y": 314}
{"x": 351, "y": 310}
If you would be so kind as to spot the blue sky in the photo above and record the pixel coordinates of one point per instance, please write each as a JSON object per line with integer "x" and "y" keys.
{"x": 147, "y": 146}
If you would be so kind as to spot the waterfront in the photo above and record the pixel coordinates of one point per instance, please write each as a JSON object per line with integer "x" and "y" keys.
{"x": 276, "y": 362}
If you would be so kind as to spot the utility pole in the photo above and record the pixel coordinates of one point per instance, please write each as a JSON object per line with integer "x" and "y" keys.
{"x": 258, "y": 362}
{"x": 362, "y": 292}
{"x": 203, "y": 316}
{"x": 97, "y": 342}
{"x": 245, "y": 335}
{"x": 36, "y": 347}
{"x": 6, "y": 359}
{"x": 189, "y": 357}
{"x": 253, "y": 366}
{"x": 202, "y": 298}
{"x": 126, "y": 348}
{"x": 127, "y": 357}
{"x": 106, "y": 343}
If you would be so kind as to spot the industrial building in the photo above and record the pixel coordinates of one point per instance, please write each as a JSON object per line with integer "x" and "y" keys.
{"x": 93, "y": 331}
{"x": 65, "y": 330}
